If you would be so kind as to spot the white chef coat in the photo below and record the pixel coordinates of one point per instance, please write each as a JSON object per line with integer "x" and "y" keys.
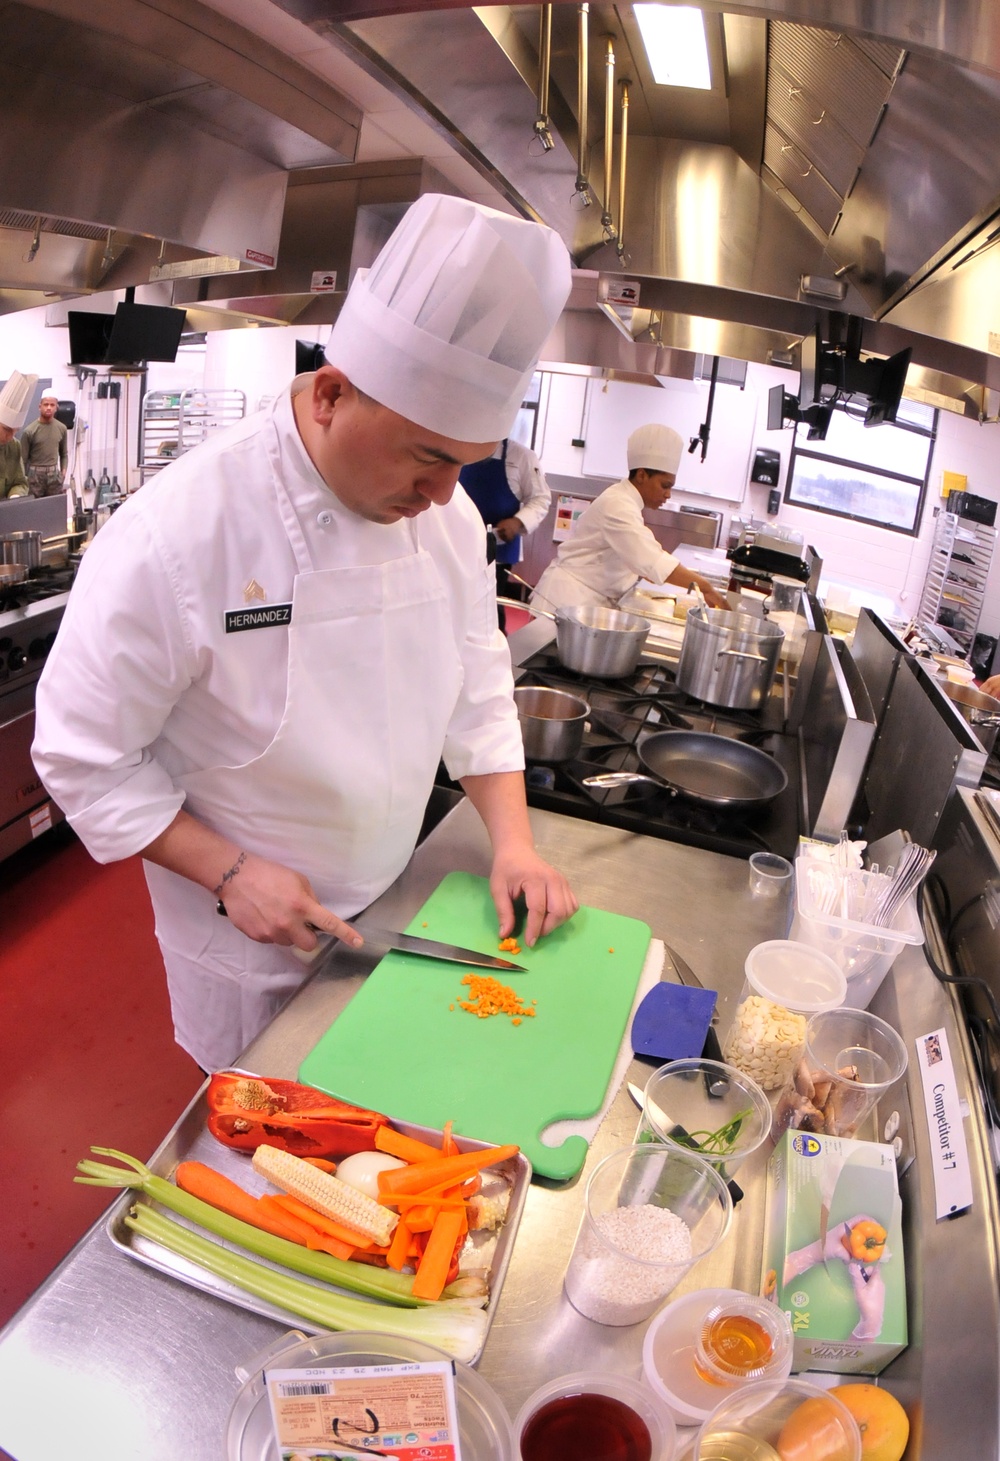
{"x": 145, "y": 692}
{"x": 608, "y": 551}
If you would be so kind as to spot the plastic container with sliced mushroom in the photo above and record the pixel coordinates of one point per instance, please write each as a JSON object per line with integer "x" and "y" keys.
{"x": 786, "y": 982}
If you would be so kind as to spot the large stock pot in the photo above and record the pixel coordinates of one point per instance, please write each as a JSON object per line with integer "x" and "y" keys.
{"x": 727, "y": 658}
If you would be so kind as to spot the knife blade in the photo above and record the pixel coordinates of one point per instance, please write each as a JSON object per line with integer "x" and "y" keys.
{"x": 428, "y": 948}
{"x": 711, "y": 1050}
{"x": 408, "y": 943}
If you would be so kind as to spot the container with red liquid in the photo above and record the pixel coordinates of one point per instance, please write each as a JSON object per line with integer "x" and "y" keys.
{"x": 602, "y": 1417}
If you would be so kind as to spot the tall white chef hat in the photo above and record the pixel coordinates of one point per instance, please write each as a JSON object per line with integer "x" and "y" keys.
{"x": 446, "y": 326}
{"x": 657, "y": 448}
{"x": 14, "y": 399}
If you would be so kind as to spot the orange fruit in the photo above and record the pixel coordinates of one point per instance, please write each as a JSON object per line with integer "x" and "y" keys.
{"x": 881, "y": 1420}
{"x": 815, "y": 1431}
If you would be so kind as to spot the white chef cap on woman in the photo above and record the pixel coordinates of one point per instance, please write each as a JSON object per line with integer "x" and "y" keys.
{"x": 446, "y": 326}
{"x": 14, "y": 399}
{"x": 657, "y": 448}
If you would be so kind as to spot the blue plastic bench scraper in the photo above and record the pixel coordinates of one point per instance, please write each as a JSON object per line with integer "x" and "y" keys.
{"x": 672, "y": 1022}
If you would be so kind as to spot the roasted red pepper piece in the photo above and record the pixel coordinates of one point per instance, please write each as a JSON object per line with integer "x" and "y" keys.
{"x": 246, "y": 1111}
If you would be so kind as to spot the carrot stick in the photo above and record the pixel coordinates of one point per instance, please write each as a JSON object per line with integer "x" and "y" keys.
{"x": 218, "y": 1191}
{"x": 418, "y": 1176}
{"x": 407, "y": 1148}
{"x": 321, "y": 1164}
{"x": 310, "y": 1237}
{"x": 399, "y": 1247}
{"x": 449, "y": 1146}
{"x": 432, "y": 1271}
{"x": 413, "y": 1200}
{"x": 322, "y": 1224}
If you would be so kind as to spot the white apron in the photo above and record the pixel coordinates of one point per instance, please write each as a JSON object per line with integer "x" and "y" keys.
{"x": 338, "y": 795}
{"x": 559, "y": 589}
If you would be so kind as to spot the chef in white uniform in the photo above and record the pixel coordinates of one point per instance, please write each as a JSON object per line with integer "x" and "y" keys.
{"x": 610, "y": 547}
{"x": 269, "y": 648}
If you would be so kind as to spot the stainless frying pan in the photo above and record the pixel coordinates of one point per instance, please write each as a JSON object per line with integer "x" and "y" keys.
{"x": 711, "y": 770}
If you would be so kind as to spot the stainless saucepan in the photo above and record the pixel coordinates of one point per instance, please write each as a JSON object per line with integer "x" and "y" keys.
{"x": 552, "y": 722}
{"x": 603, "y": 643}
{"x": 701, "y": 767}
{"x": 30, "y": 549}
{"x": 12, "y": 574}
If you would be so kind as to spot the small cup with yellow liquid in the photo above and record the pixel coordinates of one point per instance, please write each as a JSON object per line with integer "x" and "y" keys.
{"x": 743, "y": 1339}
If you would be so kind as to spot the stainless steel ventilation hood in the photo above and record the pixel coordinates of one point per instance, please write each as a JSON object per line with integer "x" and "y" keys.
{"x": 159, "y": 139}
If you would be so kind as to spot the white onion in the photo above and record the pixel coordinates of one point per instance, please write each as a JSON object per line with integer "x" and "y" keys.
{"x": 361, "y": 1169}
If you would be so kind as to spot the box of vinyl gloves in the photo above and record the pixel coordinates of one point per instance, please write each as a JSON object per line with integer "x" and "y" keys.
{"x": 833, "y": 1251}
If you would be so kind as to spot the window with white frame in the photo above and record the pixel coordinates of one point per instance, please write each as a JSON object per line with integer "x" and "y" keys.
{"x": 873, "y": 475}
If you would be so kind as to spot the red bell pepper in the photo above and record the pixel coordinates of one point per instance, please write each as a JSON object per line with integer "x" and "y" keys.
{"x": 246, "y": 1111}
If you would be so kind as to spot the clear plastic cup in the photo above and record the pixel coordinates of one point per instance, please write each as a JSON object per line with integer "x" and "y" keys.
{"x": 849, "y": 1058}
{"x": 777, "y": 1419}
{"x": 708, "y": 1107}
{"x": 743, "y": 1339}
{"x": 770, "y": 875}
{"x": 651, "y": 1212}
{"x": 785, "y": 983}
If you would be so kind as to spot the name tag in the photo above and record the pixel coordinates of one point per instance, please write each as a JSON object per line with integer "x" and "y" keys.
{"x": 266, "y": 617}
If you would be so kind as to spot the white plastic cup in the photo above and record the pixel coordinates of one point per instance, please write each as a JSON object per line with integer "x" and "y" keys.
{"x": 770, "y": 875}
{"x": 836, "y": 1041}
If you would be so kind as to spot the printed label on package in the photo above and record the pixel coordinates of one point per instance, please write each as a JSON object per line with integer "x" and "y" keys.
{"x": 949, "y": 1154}
{"x": 407, "y": 1411}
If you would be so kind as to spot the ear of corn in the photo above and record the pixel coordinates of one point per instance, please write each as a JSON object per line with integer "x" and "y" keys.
{"x": 325, "y": 1193}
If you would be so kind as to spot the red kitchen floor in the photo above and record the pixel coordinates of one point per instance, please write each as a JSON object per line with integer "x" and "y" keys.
{"x": 87, "y": 1053}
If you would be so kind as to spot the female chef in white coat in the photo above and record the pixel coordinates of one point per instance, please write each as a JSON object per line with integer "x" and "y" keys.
{"x": 610, "y": 548}
{"x": 268, "y": 649}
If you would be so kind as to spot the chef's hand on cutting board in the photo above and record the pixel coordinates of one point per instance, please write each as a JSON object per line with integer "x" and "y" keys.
{"x": 517, "y": 868}
{"x": 548, "y": 896}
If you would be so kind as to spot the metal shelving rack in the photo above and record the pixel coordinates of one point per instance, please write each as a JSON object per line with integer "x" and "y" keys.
{"x": 956, "y": 577}
{"x": 172, "y": 422}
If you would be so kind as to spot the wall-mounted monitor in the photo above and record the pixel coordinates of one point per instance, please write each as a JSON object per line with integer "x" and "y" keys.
{"x": 145, "y": 332}
{"x": 88, "y": 337}
{"x": 135, "y": 333}
{"x": 885, "y": 398}
{"x": 781, "y": 408}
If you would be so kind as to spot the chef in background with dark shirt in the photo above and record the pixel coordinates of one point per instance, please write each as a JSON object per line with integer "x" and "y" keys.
{"x": 14, "y": 400}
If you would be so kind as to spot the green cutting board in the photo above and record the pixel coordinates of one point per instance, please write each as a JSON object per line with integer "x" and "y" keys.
{"x": 404, "y": 1046}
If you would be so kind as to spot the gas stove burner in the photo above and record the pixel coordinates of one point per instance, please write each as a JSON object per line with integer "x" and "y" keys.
{"x": 622, "y": 714}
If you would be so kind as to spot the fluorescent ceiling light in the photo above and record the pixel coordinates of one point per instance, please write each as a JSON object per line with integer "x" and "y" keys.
{"x": 674, "y": 37}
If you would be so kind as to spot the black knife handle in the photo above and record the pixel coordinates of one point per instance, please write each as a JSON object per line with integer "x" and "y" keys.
{"x": 712, "y": 1050}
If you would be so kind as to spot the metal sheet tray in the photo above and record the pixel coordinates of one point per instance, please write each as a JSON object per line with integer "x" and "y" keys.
{"x": 190, "y": 1140}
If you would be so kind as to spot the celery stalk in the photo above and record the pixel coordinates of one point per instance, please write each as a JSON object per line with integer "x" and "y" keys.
{"x": 360, "y": 1278}
{"x": 455, "y": 1325}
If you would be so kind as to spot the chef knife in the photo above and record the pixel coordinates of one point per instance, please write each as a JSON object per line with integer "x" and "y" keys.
{"x": 711, "y": 1050}
{"x": 426, "y": 948}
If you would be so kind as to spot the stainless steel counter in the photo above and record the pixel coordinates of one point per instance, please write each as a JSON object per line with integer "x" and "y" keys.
{"x": 113, "y": 1359}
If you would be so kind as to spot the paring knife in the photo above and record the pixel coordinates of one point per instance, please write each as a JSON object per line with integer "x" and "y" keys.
{"x": 408, "y": 943}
